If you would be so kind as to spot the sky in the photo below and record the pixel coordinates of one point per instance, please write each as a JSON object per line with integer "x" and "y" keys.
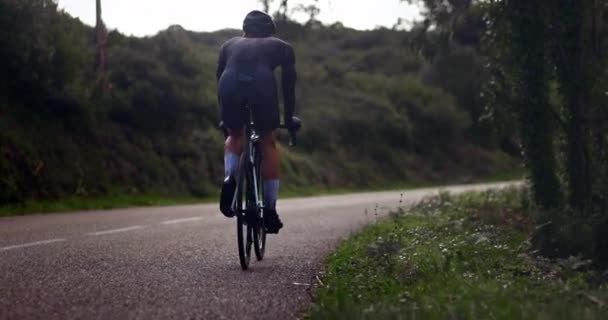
{"x": 147, "y": 17}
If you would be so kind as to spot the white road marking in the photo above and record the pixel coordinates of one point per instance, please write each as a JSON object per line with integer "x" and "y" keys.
{"x": 100, "y": 233}
{"x": 302, "y": 284}
{"x": 31, "y": 244}
{"x": 176, "y": 221}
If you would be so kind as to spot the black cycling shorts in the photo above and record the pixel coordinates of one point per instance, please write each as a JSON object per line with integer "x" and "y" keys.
{"x": 237, "y": 99}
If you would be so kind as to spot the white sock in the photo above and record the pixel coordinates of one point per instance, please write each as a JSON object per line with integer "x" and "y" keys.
{"x": 231, "y": 163}
{"x": 271, "y": 193}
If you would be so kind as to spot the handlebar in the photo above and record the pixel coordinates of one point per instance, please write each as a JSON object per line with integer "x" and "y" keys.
{"x": 292, "y": 135}
{"x": 295, "y": 126}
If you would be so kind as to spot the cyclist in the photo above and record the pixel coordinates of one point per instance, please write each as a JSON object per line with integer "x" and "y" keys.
{"x": 245, "y": 77}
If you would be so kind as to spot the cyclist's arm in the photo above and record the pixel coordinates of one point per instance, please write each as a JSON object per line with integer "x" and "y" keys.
{"x": 221, "y": 65}
{"x": 289, "y": 75}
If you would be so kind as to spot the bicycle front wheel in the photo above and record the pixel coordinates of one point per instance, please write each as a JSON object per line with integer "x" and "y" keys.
{"x": 259, "y": 236}
{"x": 243, "y": 230}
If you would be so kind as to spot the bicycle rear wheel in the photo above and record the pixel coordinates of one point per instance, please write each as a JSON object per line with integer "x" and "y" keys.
{"x": 259, "y": 236}
{"x": 243, "y": 230}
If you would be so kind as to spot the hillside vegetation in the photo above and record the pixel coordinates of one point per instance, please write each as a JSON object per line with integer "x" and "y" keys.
{"x": 376, "y": 113}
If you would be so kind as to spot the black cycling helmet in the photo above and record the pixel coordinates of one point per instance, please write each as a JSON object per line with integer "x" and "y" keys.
{"x": 258, "y": 24}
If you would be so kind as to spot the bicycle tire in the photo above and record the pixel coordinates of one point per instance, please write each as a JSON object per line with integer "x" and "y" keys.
{"x": 259, "y": 236}
{"x": 243, "y": 230}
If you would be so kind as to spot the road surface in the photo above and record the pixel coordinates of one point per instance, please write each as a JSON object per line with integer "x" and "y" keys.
{"x": 175, "y": 262}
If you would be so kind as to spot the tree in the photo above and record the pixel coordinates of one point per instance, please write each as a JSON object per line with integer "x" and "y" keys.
{"x": 283, "y": 10}
{"x": 577, "y": 54}
{"x": 101, "y": 38}
{"x": 43, "y": 51}
{"x": 266, "y": 5}
{"x": 569, "y": 48}
{"x": 449, "y": 39}
{"x": 562, "y": 44}
{"x": 531, "y": 89}
{"x": 312, "y": 10}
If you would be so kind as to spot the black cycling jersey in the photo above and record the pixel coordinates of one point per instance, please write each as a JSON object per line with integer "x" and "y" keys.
{"x": 245, "y": 76}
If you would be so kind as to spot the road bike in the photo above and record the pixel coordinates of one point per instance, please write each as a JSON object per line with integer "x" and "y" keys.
{"x": 248, "y": 201}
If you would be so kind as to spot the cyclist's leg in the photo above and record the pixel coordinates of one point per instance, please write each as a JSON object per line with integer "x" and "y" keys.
{"x": 266, "y": 116}
{"x": 234, "y": 116}
{"x": 232, "y": 150}
{"x": 267, "y": 120}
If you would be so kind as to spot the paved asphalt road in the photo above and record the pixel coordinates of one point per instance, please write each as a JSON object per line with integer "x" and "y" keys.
{"x": 174, "y": 262}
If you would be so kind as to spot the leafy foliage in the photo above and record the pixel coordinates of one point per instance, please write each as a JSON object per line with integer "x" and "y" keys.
{"x": 147, "y": 125}
{"x": 547, "y": 66}
{"x": 455, "y": 257}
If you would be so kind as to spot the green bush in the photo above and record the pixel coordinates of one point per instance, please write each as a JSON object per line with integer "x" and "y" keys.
{"x": 148, "y": 124}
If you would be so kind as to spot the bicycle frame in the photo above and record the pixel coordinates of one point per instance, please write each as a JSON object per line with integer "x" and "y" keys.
{"x": 252, "y": 143}
{"x": 250, "y": 212}
{"x": 250, "y": 164}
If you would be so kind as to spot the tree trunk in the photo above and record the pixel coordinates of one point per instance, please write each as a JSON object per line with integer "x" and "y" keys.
{"x": 579, "y": 100}
{"x": 534, "y": 110}
{"x": 579, "y": 169}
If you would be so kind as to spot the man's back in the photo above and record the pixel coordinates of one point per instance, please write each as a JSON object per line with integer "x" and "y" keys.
{"x": 246, "y": 77}
{"x": 269, "y": 52}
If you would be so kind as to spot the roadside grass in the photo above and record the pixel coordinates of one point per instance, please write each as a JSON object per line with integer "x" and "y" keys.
{"x": 456, "y": 257}
{"x": 145, "y": 200}
{"x": 97, "y": 203}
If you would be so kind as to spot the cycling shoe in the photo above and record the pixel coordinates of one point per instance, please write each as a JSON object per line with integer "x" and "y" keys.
{"x": 272, "y": 222}
{"x": 227, "y": 196}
